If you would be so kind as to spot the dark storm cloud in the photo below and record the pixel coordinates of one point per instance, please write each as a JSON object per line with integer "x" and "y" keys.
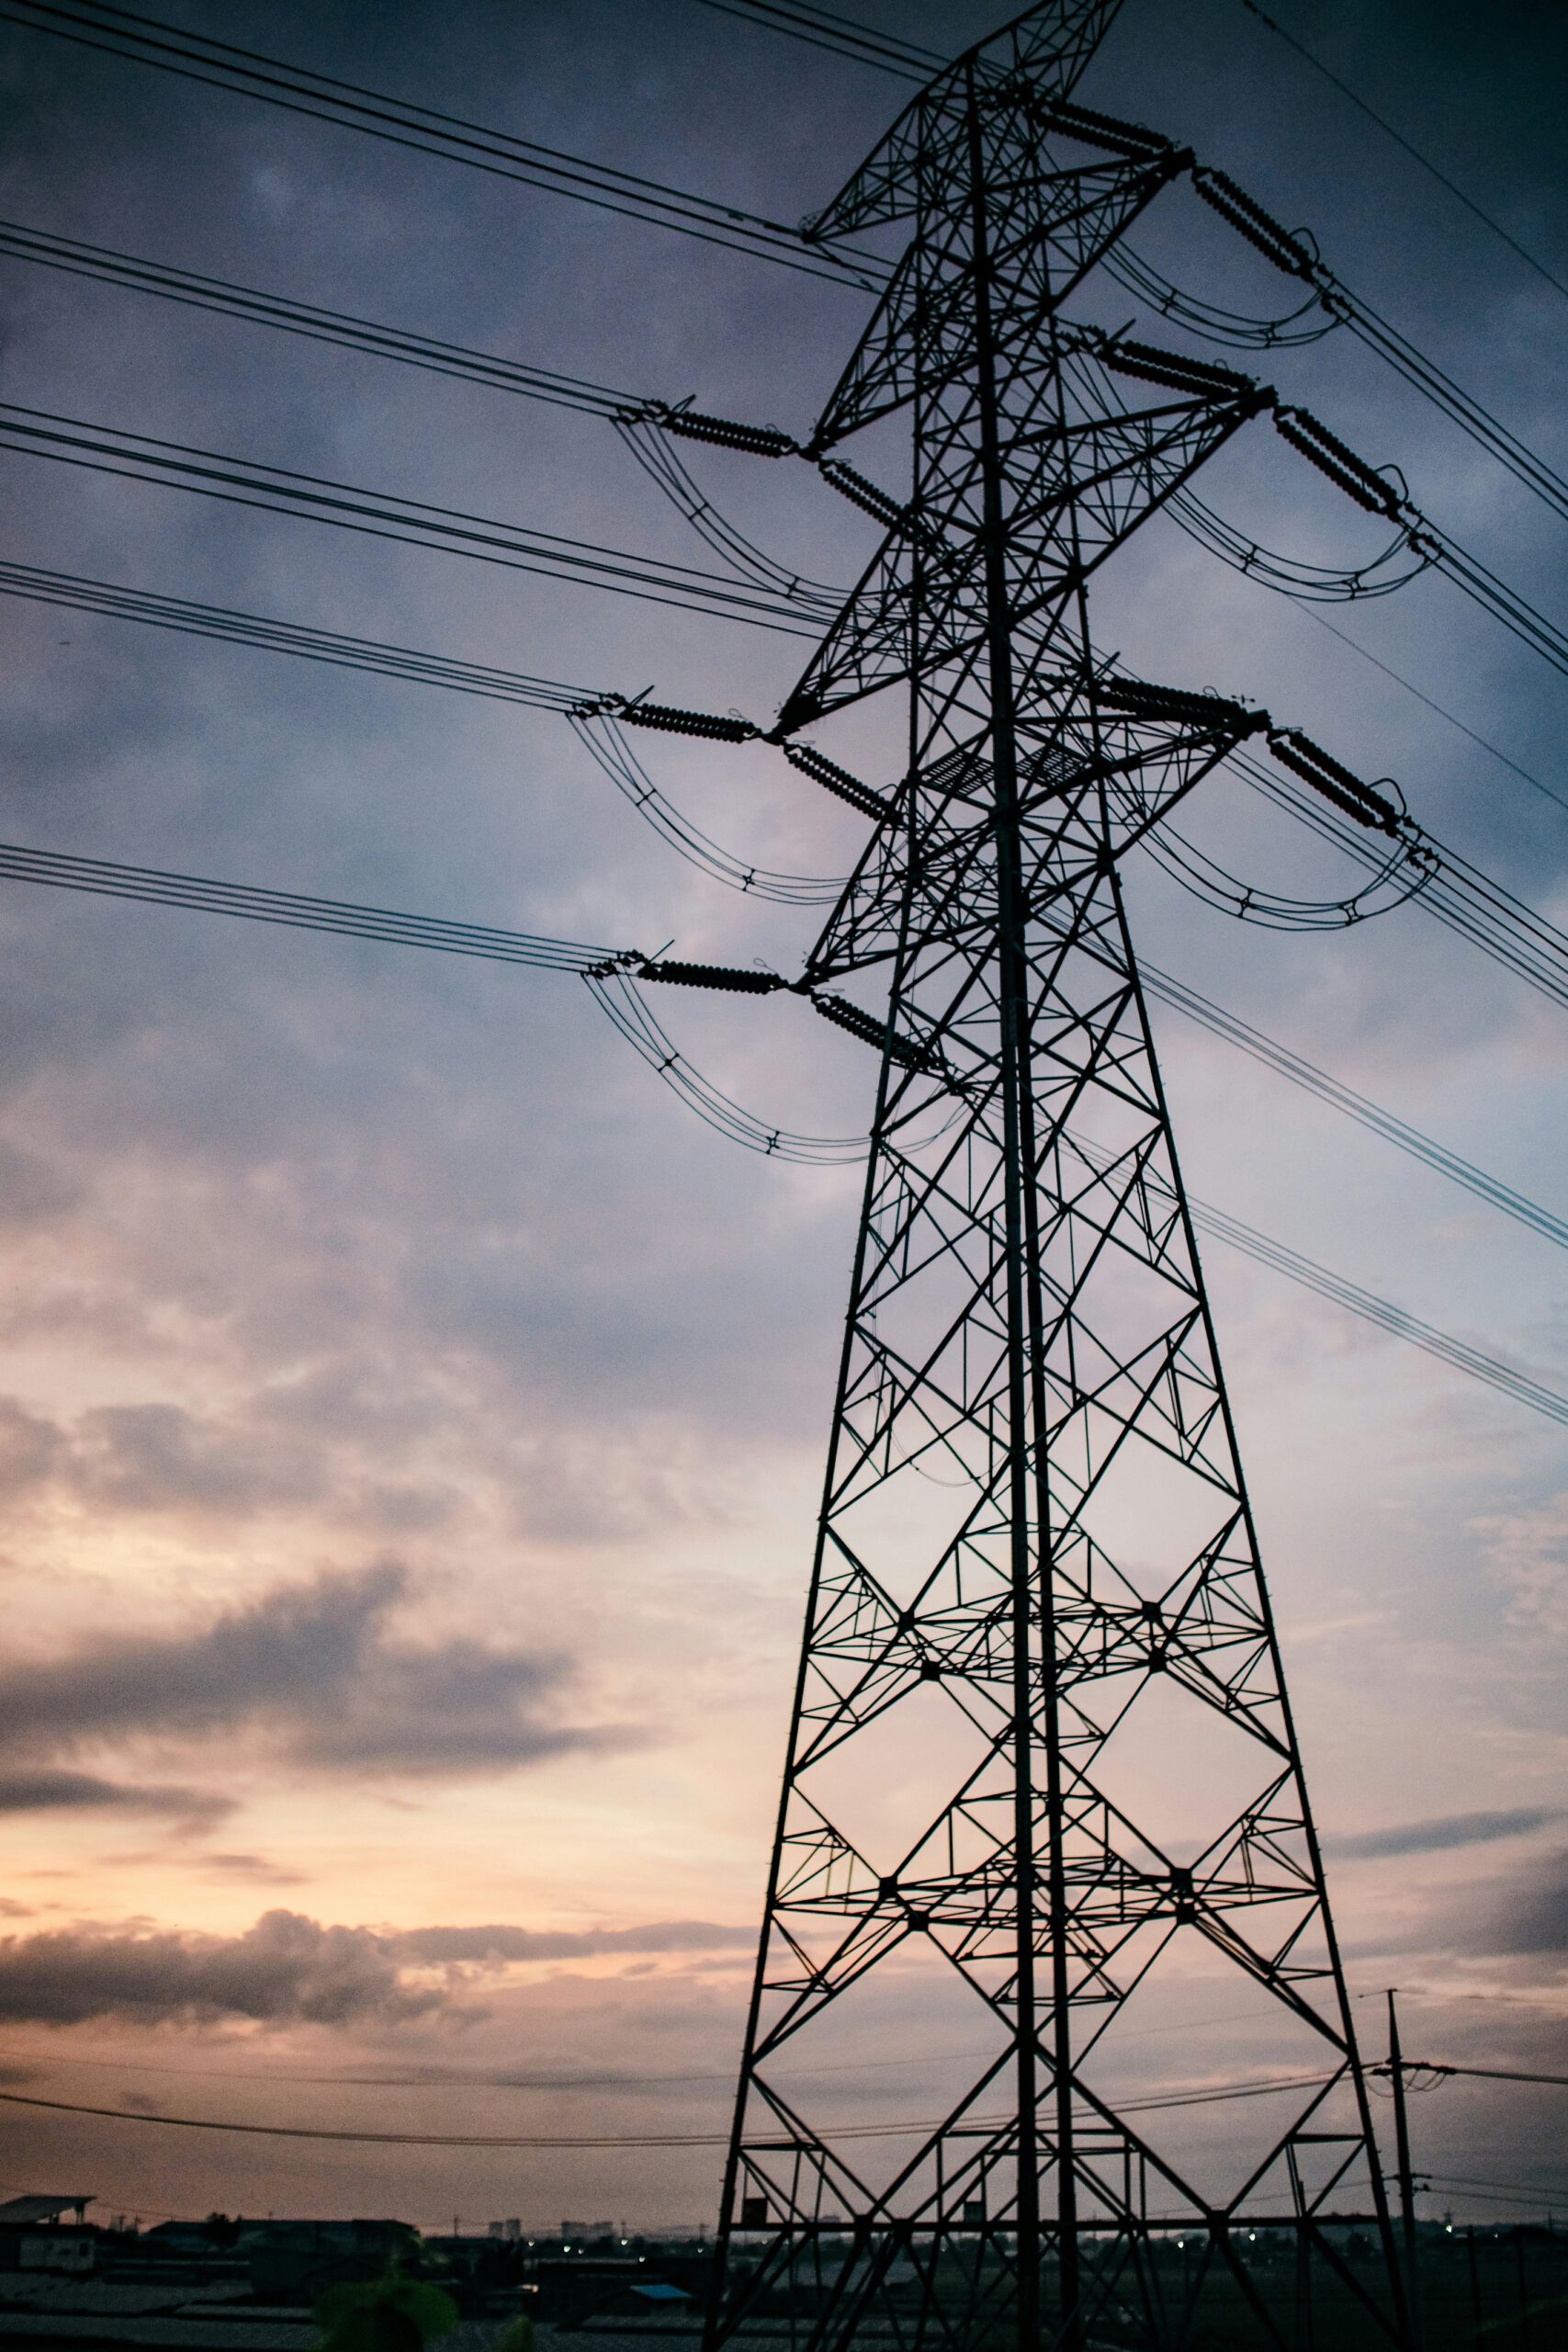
{"x": 61, "y": 1791}
{"x": 499, "y": 1943}
{"x": 284, "y": 1970}
{"x": 315, "y": 1667}
{"x": 1437, "y": 1837}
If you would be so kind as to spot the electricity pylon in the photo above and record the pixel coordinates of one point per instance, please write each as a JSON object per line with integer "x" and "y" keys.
{"x": 1041, "y": 1775}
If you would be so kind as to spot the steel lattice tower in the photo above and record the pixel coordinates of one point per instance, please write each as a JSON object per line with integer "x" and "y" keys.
{"x": 1036, "y": 1559}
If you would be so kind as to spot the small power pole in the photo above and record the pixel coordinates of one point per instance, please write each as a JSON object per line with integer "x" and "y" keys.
{"x": 1405, "y": 2175}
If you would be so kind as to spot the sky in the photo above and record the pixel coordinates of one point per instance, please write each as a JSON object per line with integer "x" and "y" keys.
{"x": 411, "y": 1416}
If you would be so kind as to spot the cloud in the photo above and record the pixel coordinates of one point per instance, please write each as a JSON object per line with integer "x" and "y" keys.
{"x": 1527, "y": 1553}
{"x": 284, "y": 1970}
{"x": 61, "y": 1791}
{"x": 1529, "y": 1920}
{"x": 1437, "y": 1837}
{"x": 157, "y": 1456}
{"x": 255, "y": 1867}
{"x": 314, "y": 1668}
{"x": 435, "y": 1945}
{"x": 288, "y": 1969}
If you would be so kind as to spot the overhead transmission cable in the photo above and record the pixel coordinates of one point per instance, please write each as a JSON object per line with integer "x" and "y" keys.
{"x": 138, "y": 457}
{"x": 277, "y": 490}
{"x": 596, "y": 2140}
{"x": 222, "y": 65}
{"x": 1209, "y": 2095}
{"x": 1354, "y": 1105}
{"x": 144, "y": 41}
{"x": 1417, "y": 544}
{"x": 638, "y": 417}
{"x": 838, "y": 36}
{"x": 138, "y": 274}
{"x": 635, "y": 417}
{"x": 1401, "y": 141}
{"x": 1525, "y": 775}
{"x": 610, "y": 974}
{"x": 590, "y": 704}
{"x": 1458, "y": 893}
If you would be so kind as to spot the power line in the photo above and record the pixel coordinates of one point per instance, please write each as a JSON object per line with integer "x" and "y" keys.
{"x": 1458, "y": 894}
{"x": 408, "y": 666}
{"x": 594, "y": 2140}
{"x": 1559, "y": 800}
{"x": 836, "y": 36}
{"x": 376, "y": 339}
{"x": 138, "y": 274}
{"x": 1382, "y": 1313}
{"x": 246, "y": 73}
{"x": 602, "y": 968}
{"x": 1340, "y": 1097}
{"x": 840, "y": 34}
{"x": 276, "y": 489}
{"x": 101, "y": 878}
{"x": 1414, "y": 152}
{"x": 1488, "y": 2074}
{"x": 1395, "y": 1321}
{"x": 75, "y": 592}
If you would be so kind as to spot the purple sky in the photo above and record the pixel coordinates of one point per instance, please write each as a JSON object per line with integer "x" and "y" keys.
{"x": 410, "y": 1417}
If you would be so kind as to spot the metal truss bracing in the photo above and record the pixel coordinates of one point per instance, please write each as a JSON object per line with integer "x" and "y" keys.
{"x": 1042, "y": 1796}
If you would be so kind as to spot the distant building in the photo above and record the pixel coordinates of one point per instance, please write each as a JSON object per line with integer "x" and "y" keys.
{"x": 295, "y": 2261}
{"x": 34, "y": 2237}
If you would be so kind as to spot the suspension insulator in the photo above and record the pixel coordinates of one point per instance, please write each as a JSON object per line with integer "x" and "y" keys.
{"x": 1330, "y": 455}
{"x": 869, "y": 1029}
{"x": 1132, "y": 139}
{"x": 1335, "y": 781}
{"x": 756, "y": 440}
{"x": 1259, "y": 229}
{"x": 1141, "y": 700}
{"x": 711, "y": 975}
{"x": 1181, "y": 374}
{"x": 833, "y": 778}
{"x": 862, "y": 494}
{"x": 718, "y": 728}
